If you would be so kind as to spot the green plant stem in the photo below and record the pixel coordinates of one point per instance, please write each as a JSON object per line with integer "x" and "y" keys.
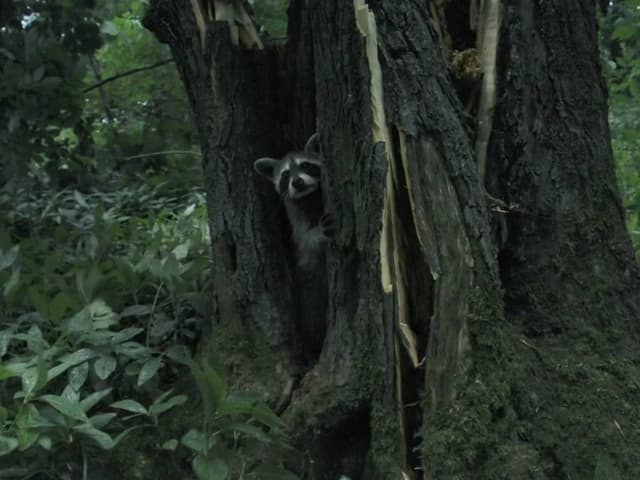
{"x": 85, "y": 466}
{"x": 153, "y": 310}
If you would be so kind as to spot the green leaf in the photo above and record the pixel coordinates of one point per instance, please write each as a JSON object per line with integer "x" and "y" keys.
{"x": 71, "y": 360}
{"x": 102, "y": 315}
{"x": 5, "y": 337}
{"x": 35, "y": 341}
{"x": 216, "y": 382}
{"x": 65, "y": 406}
{"x": 102, "y": 419}
{"x": 103, "y": 439}
{"x": 130, "y": 406}
{"x": 38, "y": 73}
{"x": 8, "y": 258}
{"x": 104, "y": 366}
{"x": 27, "y": 436}
{"x": 133, "y": 350}
{"x": 250, "y": 430}
{"x": 9, "y": 370}
{"x": 195, "y": 440}
{"x": 178, "y": 353}
{"x": 149, "y": 369}
{"x": 189, "y": 210}
{"x": 7, "y": 445}
{"x": 181, "y": 251}
{"x": 161, "y": 407}
{"x": 78, "y": 375}
{"x": 624, "y": 31}
{"x": 60, "y": 305}
{"x": 70, "y": 394}
{"x": 12, "y": 284}
{"x": 80, "y": 200}
{"x": 91, "y": 400}
{"x": 34, "y": 378}
{"x": 45, "y": 442}
{"x": 210, "y": 468}
{"x": 170, "y": 445}
{"x": 88, "y": 281}
{"x": 96, "y": 315}
{"x": 266, "y": 416}
{"x": 238, "y": 404}
{"x": 125, "y": 334}
{"x": 109, "y": 28}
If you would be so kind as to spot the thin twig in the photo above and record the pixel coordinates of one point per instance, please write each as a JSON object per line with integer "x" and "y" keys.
{"x": 127, "y": 73}
{"x": 165, "y": 152}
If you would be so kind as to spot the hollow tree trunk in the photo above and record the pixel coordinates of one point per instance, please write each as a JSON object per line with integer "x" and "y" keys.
{"x": 483, "y": 297}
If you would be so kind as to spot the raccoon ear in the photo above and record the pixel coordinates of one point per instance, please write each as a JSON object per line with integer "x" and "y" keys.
{"x": 313, "y": 145}
{"x": 264, "y": 166}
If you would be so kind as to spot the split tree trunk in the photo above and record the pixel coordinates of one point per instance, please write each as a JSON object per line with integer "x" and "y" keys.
{"x": 479, "y": 326}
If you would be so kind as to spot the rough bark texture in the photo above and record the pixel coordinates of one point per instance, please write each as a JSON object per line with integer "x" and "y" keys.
{"x": 567, "y": 266}
{"x": 526, "y": 317}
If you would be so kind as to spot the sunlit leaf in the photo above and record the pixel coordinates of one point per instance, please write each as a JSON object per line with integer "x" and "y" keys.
{"x": 181, "y": 251}
{"x": 78, "y": 375}
{"x": 109, "y": 28}
{"x": 8, "y": 258}
{"x": 12, "y": 284}
{"x": 71, "y": 360}
{"x": 7, "y": 445}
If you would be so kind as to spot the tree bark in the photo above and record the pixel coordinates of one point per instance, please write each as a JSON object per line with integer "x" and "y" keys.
{"x": 477, "y": 324}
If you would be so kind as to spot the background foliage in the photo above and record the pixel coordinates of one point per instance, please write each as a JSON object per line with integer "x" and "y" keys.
{"x": 105, "y": 260}
{"x": 620, "y": 46}
{"x": 105, "y": 253}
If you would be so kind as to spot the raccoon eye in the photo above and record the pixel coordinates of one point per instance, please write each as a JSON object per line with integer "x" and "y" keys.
{"x": 285, "y": 175}
{"x": 311, "y": 169}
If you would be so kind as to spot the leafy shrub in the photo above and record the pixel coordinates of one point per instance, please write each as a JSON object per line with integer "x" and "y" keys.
{"x": 97, "y": 292}
{"x": 102, "y": 297}
{"x": 240, "y": 436}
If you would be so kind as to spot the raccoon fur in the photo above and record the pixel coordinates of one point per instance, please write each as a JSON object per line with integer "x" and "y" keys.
{"x": 297, "y": 179}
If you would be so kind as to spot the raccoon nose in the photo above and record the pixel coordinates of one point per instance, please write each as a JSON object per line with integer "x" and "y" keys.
{"x": 298, "y": 184}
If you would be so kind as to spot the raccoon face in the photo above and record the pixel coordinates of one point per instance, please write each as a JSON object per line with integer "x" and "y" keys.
{"x": 297, "y": 174}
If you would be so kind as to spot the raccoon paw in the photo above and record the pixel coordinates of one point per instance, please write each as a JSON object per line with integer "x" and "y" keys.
{"x": 328, "y": 225}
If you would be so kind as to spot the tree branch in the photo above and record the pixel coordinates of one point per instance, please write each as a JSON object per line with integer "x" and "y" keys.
{"x": 127, "y": 73}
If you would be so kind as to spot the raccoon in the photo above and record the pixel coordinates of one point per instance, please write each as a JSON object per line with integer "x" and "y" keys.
{"x": 296, "y": 178}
